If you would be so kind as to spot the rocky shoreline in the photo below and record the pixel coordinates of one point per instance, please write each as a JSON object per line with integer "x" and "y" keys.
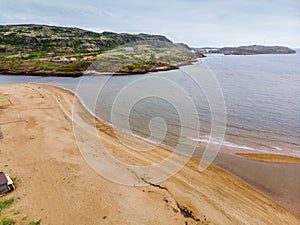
{"x": 88, "y": 72}
{"x": 120, "y": 72}
{"x": 41, "y": 73}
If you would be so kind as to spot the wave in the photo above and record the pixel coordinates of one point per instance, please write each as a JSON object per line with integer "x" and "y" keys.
{"x": 223, "y": 143}
{"x": 206, "y": 139}
{"x": 277, "y": 149}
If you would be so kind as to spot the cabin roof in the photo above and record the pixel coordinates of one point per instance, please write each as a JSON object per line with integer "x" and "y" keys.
{"x": 3, "y": 179}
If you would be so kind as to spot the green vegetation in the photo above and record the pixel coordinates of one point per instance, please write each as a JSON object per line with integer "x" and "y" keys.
{"x": 139, "y": 66}
{"x": 144, "y": 67}
{"x": 248, "y": 50}
{"x": 3, "y": 206}
{"x": 257, "y": 49}
{"x": 76, "y": 66}
{"x": 7, "y": 221}
{"x": 15, "y": 211}
{"x": 142, "y": 58}
{"x": 48, "y": 50}
{"x": 14, "y": 179}
{"x": 24, "y": 218}
{"x": 36, "y": 41}
{"x": 6, "y": 204}
{"x": 35, "y": 223}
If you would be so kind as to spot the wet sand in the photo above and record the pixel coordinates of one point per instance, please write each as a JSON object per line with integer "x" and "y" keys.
{"x": 278, "y": 181}
{"x": 271, "y": 158}
{"x": 55, "y": 183}
{"x": 275, "y": 176}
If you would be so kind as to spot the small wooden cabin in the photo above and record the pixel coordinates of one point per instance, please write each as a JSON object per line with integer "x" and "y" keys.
{"x": 6, "y": 184}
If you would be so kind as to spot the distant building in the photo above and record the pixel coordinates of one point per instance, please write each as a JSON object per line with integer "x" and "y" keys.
{"x": 129, "y": 49}
{"x": 73, "y": 59}
{"x": 6, "y": 184}
{"x": 63, "y": 59}
{"x": 55, "y": 60}
{"x": 88, "y": 57}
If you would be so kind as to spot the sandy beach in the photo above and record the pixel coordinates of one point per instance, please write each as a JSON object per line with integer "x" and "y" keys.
{"x": 57, "y": 185}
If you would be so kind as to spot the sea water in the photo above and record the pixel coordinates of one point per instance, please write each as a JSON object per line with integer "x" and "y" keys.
{"x": 261, "y": 95}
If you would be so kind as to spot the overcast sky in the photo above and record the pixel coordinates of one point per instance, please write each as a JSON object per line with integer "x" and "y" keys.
{"x": 195, "y": 22}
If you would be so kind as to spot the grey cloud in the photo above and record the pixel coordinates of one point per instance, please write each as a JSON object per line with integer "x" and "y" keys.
{"x": 198, "y": 23}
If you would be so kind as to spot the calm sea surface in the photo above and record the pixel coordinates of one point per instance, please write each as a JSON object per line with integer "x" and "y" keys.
{"x": 261, "y": 93}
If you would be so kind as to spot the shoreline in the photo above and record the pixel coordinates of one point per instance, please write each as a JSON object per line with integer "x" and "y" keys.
{"x": 96, "y": 73}
{"x": 41, "y": 73}
{"x": 235, "y": 151}
{"x": 64, "y": 96}
{"x": 235, "y": 157}
{"x": 84, "y": 73}
{"x": 274, "y": 158}
{"x": 232, "y": 156}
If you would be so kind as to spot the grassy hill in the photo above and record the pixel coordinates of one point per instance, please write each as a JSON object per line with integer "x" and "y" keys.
{"x": 51, "y": 50}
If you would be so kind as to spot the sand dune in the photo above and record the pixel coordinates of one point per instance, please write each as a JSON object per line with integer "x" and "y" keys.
{"x": 57, "y": 185}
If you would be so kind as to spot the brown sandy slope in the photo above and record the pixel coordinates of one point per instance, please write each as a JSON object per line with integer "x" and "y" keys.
{"x": 55, "y": 183}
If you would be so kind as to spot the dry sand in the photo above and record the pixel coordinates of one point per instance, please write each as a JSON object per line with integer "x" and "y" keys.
{"x": 55, "y": 183}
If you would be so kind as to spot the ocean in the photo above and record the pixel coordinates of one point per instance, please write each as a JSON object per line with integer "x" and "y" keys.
{"x": 261, "y": 97}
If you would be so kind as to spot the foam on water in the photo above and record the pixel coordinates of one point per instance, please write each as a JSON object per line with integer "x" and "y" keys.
{"x": 224, "y": 143}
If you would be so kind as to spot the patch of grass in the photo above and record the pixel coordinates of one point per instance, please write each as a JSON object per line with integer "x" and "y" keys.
{"x": 76, "y": 66}
{"x": 6, "y": 204}
{"x": 7, "y": 221}
{"x": 15, "y": 211}
{"x": 25, "y": 217}
{"x": 10, "y": 221}
{"x": 144, "y": 65}
{"x": 142, "y": 58}
{"x": 49, "y": 66}
{"x": 35, "y": 222}
{"x": 14, "y": 179}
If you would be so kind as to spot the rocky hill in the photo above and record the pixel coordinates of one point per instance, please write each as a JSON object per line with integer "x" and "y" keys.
{"x": 257, "y": 49}
{"x": 52, "y": 50}
{"x": 248, "y": 50}
{"x": 38, "y": 40}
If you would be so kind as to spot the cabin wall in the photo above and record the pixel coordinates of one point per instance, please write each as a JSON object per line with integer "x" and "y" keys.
{"x": 3, "y": 187}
